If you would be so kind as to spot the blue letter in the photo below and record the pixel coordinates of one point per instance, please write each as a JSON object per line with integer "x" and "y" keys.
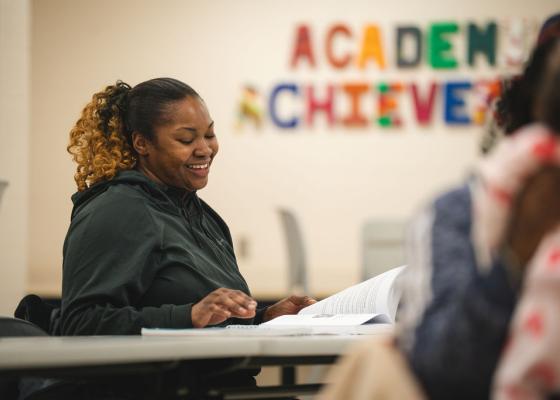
{"x": 288, "y": 123}
{"x": 455, "y": 103}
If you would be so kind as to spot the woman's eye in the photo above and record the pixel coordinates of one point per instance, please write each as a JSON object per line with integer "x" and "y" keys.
{"x": 210, "y": 135}
{"x": 186, "y": 141}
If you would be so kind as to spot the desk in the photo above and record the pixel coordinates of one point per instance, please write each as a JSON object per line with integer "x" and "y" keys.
{"x": 65, "y": 356}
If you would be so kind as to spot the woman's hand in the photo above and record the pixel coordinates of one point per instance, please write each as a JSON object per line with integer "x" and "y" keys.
{"x": 289, "y": 305}
{"x": 220, "y": 305}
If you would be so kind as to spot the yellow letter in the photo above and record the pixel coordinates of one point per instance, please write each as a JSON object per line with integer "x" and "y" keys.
{"x": 371, "y": 47}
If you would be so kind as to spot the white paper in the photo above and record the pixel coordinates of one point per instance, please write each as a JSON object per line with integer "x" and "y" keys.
{"x": 377, "y": 295}
{"x": 319, "y": 320}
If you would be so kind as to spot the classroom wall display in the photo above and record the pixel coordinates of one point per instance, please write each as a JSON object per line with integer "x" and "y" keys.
{"x": 451, "y": 50}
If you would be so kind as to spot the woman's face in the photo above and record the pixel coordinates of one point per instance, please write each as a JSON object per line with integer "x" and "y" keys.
{"x": 183, "y": 148}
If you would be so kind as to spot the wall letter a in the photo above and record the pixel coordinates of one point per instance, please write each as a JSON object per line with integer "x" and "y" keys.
{"x": 302, "y": 47}
{"x": 371, "y": 47}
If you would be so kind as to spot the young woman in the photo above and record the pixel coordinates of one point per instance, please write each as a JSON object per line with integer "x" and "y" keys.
{"x": 143, "y": 250}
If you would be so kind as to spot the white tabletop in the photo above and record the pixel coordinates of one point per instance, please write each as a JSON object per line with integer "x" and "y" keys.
{"x": 317, "y": 345}
{"x": 41, "y": 352}
{"x": 84, "y": 350}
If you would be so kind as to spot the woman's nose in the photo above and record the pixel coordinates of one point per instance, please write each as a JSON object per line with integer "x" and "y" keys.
{"x": 202, "y": 149}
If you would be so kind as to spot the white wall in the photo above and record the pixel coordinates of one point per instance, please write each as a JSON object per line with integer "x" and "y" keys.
{"x": 333, "y": 179}
{"x": 14, "y": 150}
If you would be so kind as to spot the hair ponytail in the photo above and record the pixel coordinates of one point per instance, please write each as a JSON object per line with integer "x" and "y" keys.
{"x": 100, "y": 141}
{"x": 115, "y": 106}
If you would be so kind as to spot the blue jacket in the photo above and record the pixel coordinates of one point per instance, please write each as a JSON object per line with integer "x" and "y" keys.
{"x": 454, "y": 317}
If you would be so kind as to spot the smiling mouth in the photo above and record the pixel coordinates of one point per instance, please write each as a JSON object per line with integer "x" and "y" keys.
{"x": 198, "y": 166}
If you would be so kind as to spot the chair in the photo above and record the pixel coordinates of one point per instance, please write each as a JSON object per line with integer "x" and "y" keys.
{"x": 15, "y": 327}
{"x": 382, "y": 246}
{"x": 297, "y": 263}
{"x": 34, "y": 309}
{"x": 297, "y": 269}
{"x": 3, "y": 186}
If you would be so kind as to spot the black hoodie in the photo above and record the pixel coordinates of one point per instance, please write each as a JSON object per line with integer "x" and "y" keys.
{"x": 140, "y": 255}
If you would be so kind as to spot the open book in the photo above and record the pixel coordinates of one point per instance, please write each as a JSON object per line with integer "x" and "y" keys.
{"x": 354, "y": 310}
{"x": 372, "y": 301}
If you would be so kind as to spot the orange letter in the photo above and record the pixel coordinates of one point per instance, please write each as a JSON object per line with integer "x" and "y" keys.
{"x": 355, "y": 90}
{"x": 303, "y": 46}
{"x": 337, "y": 62}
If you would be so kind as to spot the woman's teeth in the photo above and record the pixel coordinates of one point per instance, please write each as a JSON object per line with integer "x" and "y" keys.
{"x": 198, "y": 166}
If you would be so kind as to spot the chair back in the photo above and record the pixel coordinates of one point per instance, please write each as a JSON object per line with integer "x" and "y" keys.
{"x": 15, "y": 327}
{"x": 3, "y": 186}
{"x": 34, "y": 309}
{"x": 10, "y": 386}
{"x": 297, "y": 262}
{"x": 382, "y": 246}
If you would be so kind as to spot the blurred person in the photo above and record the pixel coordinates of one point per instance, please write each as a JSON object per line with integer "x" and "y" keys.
{"x": 467, "y": 254}
{"x": 530, "y": 365}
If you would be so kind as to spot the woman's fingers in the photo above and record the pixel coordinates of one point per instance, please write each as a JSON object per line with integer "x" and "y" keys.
{"x": 241, "y": 303}
{"x": 302, "y": 300}
{"x": 220, "y": 305}
{"x": 237, "y": 302}
{"x": 219, "y": 310}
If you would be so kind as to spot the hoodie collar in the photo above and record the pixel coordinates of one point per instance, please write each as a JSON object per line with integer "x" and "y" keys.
{"x": 165, "y": 196}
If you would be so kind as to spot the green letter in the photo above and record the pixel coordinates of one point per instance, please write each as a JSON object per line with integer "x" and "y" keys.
{"x": 482, "y": 41}
{"x": 440, "y": 47}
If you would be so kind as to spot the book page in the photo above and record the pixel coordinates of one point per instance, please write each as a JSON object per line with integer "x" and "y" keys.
{"x": 310, "y": 320}
{"x": 377, "y": 295}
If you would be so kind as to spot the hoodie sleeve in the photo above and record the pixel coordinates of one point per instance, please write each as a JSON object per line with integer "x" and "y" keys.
{"x": 463, "y": 314}
{"x": 111, "y": 253}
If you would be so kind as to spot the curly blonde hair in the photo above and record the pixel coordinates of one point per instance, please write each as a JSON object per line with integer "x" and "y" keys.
{"x": 98, "y": 142}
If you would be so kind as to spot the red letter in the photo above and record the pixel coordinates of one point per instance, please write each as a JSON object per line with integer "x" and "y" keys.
{"x": 314, "y": 105}
{"x": 303, "y": 47}
{"x": 423, "y": 107}
{"x": 337, "y": 62}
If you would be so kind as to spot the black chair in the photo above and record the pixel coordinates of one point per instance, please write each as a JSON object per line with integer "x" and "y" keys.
{"x": 34, "y": 309}
{"x": 15, "y": 327}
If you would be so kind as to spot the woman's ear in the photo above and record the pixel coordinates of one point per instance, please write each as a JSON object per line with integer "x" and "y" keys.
{"x": 140, "y": 144}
